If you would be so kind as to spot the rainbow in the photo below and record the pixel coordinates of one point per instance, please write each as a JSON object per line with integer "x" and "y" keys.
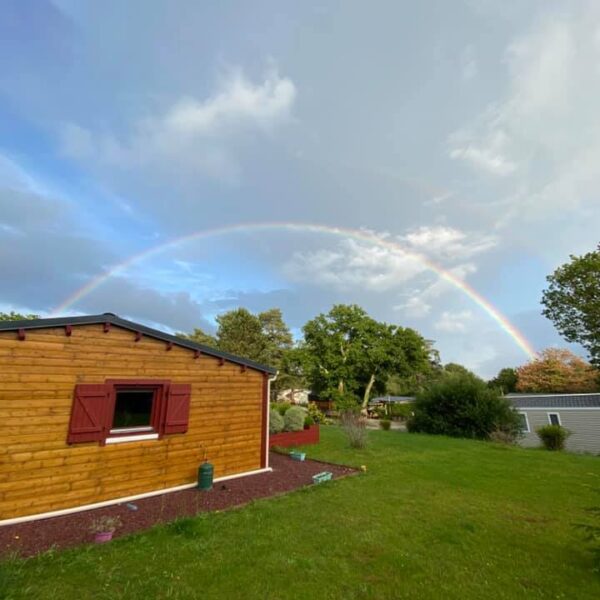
{"x": 357, "y": 234}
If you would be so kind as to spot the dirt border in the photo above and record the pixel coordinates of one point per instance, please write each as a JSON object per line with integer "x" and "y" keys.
{"x": 33, "y": 537}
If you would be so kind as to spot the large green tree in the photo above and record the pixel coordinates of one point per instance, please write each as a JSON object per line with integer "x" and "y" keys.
{"x": 572, "y": 302}
{"x": 346, "y": 352}
{"x": 505, "y": 381}
{"x": 240, "y": 332}
{"x": 199, "y": 336}
{"x": 15, "y": 316}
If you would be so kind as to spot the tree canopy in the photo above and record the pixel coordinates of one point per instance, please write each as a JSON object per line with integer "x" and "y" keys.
{"x": 348, "y": 353}
{"x": 557, "y": 371}
{"x": 572, "y": 302}
{"x": 15, "y": 316}
{"x": 505, "y": 381}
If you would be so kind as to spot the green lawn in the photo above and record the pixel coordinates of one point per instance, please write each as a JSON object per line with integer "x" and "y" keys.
{"x": 432, "y": 518}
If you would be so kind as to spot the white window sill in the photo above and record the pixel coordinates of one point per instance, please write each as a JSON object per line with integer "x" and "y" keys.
{"x": 131, "y": 430}
{"x": 132, "y": 438}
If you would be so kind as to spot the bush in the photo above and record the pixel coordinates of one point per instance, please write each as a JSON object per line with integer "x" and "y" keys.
{"x": 308, "y": 421}
{"x": 461, "y": 405}
{"x": 315, "y": 413}
{"x": 282, "y": 407}
{"x": 355, "y": 428}
{"x": 503, "y": 437}
{"x": 345, "y": 401}
{"x": 294, "y": 419}
{"x": 553, "y": 437}
{"x": 385, "y": 424}
{"x": 276, "y": 422}
{"x": 401, "y": 411}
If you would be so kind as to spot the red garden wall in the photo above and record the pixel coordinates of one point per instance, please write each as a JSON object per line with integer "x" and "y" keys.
{"x": 295, "y": 438}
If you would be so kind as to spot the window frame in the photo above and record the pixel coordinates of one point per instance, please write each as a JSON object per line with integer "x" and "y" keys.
{"x": 160, "y": 387}
{"x": 527, "y": 428}
{"x": 557, "y": 418}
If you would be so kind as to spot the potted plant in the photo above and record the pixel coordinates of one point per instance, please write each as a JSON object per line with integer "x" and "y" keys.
{"x": 104, "y": 527}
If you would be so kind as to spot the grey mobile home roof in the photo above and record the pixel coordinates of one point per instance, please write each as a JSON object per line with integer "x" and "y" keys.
{"x": 123, "y": 323}
{"x": 555, "y": 400}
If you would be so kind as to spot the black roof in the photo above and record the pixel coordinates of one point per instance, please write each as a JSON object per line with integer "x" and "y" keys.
{"x": 555, "y": 400}
{"x": 123, "y": 323}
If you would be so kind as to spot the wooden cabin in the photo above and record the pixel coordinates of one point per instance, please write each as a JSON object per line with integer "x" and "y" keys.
{"x": 96, "y": 410}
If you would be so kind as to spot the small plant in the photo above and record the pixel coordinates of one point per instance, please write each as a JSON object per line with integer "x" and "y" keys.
{"x": 308, "y": 421}
{"x": 276, "y": 422}
{"x": 401, "y": 411}
{"x": 294, "y": 419}
{"x": 315, "y": 413}
{"x": 498, "y": 436}
{"x": 355, "y": 428}
{"x": 553, "y": 437}
{"x": 385, "y": 424}
{"x": 282, "y": 407}
{"x": 105, "y": 524}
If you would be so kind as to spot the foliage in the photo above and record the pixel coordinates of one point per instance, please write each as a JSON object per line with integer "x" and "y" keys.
{"x": 294, "y": 419}
{"x": 385, "y": 424}
{"x": 354, "y": 426}
{"x": 401, "y": 411}
{"x": 200, "y": 337}
{"x": 344, "y": 402}
{"x": 315, "y": 413}
{"x": 308, "y": 421}
{"x": 15, "y": 316}
{"x": 505, "y": 381}
{"x": 456, "y": 369}
{"x": 553, "y": 437}
{"x": 347, "y": 352}
{"x": 462, "y": 406}
{"x": 499, "y": 436}
{"x": 281, "y": 407}
{"x": 240, "y": 332}
{"x": 105, "y": 524}
{"x": 276, "y": 422}
{"x": 463, "y": 509}
{"x": 572, "y": 302}
{"x": 557, "y": 371}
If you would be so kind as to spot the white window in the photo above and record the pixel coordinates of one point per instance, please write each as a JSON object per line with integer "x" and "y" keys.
{"x": 524, "y": 422}
{"x": 554, "y": 418}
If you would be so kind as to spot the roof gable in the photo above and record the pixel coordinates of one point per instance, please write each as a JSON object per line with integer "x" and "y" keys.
{"x": 113, "y": 319}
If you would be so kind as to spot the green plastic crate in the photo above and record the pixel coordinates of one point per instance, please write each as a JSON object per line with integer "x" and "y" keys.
{"x": 321, "y": 477}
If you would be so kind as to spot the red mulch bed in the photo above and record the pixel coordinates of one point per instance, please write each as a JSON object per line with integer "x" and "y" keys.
{"x": 32, "y": 537}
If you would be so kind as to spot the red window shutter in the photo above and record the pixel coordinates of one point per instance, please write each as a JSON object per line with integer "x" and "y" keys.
{"x": 89, "y": 413}
{"x": 178, "y": 408}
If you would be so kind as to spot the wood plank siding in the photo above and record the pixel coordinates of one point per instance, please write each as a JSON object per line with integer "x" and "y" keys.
{"x": 40, "y": 472}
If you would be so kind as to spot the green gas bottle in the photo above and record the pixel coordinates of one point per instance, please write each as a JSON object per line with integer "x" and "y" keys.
{"x": 205, "y": 476}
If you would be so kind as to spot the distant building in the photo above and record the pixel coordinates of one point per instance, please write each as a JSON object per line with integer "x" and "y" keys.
{"x": 579, "y": 413}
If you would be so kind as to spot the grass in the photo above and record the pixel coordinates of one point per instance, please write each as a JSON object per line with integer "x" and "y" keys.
{"x": 432, "y": 518}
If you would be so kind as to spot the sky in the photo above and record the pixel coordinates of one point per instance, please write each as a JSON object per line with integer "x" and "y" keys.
{"x": 402, "y": 140}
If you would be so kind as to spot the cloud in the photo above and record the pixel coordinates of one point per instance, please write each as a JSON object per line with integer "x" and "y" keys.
{"x": 454, "y": 322}
{"x": 192, "y": 132}
{"x": 542, "y": 137}
{"x": 355, "y": 264}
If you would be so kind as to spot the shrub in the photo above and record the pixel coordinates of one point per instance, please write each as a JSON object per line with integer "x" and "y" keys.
{"x": 355, "y": 428}
{"x": 282, "y": 407}
{"x": 276, "y": 422}
{"x": 105, "y": 524}
{"x": 345, "y": 401}
{"x": 385, "y": 424}
{"x": 461, "y": 405}
{"x": 553, "y": 437}
{"x": 503, "y": 437}
{"x": 294, "y": 419}
{"x": 401, "y": 411}
{"x": 308, "y": 421}
{"x": 315, "y": 413}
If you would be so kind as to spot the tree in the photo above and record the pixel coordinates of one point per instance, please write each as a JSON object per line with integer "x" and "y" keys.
{"x": 14, "y": 316}
{"x": 200, "y": 337}
{"x": 346, "y": 353}
{"x": 572, "y": 302}
{"x": 240, "y": 332}
{"x": 557, "y": 371}
{"x": 505, "y": 381}
{"x": 462, "y": 405}
{"x": 455, "y": 368}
